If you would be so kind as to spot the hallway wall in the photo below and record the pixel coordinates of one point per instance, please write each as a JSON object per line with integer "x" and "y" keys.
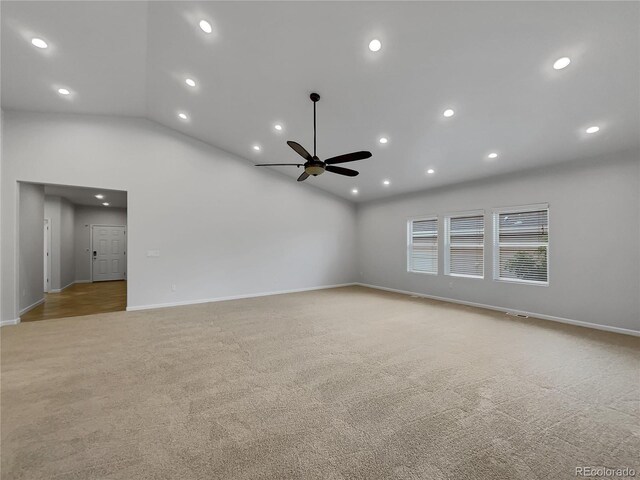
{"x": 31, "y": 241}
{"x": 61, "y": 214}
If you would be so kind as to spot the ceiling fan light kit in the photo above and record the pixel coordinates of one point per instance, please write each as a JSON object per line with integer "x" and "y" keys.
{"x": 313, "y": 165}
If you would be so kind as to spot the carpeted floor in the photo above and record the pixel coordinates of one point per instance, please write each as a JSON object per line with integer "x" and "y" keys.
{"x": 349, "y": 383}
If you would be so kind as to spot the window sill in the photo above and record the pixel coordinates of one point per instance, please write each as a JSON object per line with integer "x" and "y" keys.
{"x": 521, "y": 282}
{"x": 423, "y": 273}
{"x": 460, "y": 275}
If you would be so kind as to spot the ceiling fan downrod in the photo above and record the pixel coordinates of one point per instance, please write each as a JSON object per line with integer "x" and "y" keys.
{"x": 314, "y": 98}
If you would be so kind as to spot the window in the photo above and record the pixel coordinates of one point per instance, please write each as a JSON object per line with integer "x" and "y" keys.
{"x": 521, "y": 241}
{"x": 464, "y": 245}
{"x": 422, "y": 248}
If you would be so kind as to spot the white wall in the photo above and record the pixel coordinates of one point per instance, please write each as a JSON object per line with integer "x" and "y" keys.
{"x": 223, "y": 227}
{"x": 85, "y": 216}
{"x": 31, "y": 238}
{"x": 2, "y": 241}
{"x": 594, "y": 236}
{"x": 67, "y": 248}
{"x": 60, "y": 212}
{"x": 52, "y": 212}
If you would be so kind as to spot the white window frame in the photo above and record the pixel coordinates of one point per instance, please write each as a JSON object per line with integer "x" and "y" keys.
{"x": 410, "y": 243}
{"x": 447, "y": 241}
{"x": 496, "y": 242}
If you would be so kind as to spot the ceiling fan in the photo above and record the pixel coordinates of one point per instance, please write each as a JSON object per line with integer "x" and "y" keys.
{"x": 313, "y": 165}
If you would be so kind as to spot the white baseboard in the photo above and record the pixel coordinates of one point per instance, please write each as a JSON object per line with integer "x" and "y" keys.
{"x": 58, "y": 290}
{"x": 233, "y": 297}
{"x": 29, "y": 308}
{"x": 5, "y": 323}
{"x": 16, "y": 321}
{"x": 596, "y": 326}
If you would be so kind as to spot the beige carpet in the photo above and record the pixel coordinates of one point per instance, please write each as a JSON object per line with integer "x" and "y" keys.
{"x": 349, "y": 383}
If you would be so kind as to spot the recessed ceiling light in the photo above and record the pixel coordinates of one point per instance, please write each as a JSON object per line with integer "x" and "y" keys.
{"x": 492, "y": 155}
{"x": 431, "y": 171}
{"x": 190, "y": 81}
{"x": 63, "y": 91}
{"x": 593, "y": 129}
{"x": 375, "y": 45}
{"x": 182, "y": 116}
{"x": 383, "y": 140}
{"x": 205, "y": 26}
{"x": 386, "y": 182}
{"x": 354, "y": 191}
{"x": 278, "y": 127}
{"x": 38, "y": 42}
{"x": 448, "y": 113}
{"x": 106, "y": 204}
{"x": 561, "y": 63}
{"x": 256, "y": 148}
{"x": 100, "y": 196}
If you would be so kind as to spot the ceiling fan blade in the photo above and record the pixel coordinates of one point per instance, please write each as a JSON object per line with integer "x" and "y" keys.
{"x": 348, "y": 157}
{"x": 300, "y": 150}
{"x": 277, "y": 164}
{"x": 341, "y": 171}
{"x": 303, "y": 177}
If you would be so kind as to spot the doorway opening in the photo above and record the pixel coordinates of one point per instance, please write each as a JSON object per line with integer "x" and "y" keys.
{"x": 82, "y": 257}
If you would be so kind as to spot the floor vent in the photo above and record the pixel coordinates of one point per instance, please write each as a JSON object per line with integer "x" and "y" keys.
{"x": 519, "y": 315}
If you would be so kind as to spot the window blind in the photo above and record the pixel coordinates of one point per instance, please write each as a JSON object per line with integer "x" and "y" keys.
{"x": 522, "y": 246}
{"x": 465, "y": 245}
{"x": 422, "y": 256}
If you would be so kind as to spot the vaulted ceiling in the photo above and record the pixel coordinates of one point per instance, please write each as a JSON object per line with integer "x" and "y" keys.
{"x": 490, "y": 62}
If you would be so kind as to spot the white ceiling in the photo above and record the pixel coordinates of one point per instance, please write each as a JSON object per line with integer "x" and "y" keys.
{"x": 489, "y": 61}
{"x": 87, "y": 196}
{"x": 96, "y": 49}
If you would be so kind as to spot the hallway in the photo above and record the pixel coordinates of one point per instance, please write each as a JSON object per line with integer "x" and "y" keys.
{"x": 81, "y": 299}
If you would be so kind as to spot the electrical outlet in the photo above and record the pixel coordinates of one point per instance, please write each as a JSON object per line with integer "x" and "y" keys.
{"x": 173, "y": 287}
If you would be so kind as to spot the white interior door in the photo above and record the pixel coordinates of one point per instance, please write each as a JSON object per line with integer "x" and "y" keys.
{"x": 108, "y": 245}
{"x": 47, "y": 255}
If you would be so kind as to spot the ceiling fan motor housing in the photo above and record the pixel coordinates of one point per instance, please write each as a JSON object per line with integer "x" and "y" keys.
{"x": 314, "y": 167}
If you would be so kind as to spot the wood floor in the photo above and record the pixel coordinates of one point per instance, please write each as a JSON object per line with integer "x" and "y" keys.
{"x": 81, "y": 299}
